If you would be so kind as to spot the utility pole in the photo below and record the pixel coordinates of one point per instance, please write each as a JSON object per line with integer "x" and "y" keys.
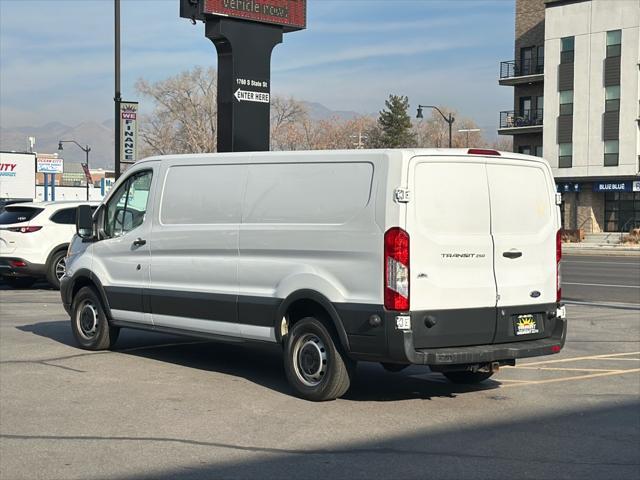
{"x": 467, "y": 131}
{"x": 117, "y": 98}
{"x": 359, "y": 144}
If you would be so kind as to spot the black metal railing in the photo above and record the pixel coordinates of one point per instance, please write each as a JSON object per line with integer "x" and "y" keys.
{"x": 523, "y": 118}
{"x": 513, "y": 68}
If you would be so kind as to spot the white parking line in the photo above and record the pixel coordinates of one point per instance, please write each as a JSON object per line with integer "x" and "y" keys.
{"x": 574, "y": 359}
{"x": 601, "y": 285}
{"x": 577, "y": 377}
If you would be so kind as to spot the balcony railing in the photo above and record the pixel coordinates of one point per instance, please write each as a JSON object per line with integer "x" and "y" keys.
{"x": 512, "y": 68}
{"x": 523, "y": 118}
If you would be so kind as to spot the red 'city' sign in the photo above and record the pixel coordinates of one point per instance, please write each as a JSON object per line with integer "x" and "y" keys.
{"x": 290, "y": 13}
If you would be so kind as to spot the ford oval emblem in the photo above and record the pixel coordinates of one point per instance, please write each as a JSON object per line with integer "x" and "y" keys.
{"x": 535, "y": 294}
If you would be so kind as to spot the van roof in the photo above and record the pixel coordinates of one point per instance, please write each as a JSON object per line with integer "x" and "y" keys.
{"x": 398, "y": 153}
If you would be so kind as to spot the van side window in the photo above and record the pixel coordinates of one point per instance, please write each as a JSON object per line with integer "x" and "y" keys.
{"x": 126, "y": 209}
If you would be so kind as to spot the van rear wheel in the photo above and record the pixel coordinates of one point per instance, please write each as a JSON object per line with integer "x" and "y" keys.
{"x": 314, "y": 365}
{"x": 467, "y": 378}
{"x": 89, "y": 323}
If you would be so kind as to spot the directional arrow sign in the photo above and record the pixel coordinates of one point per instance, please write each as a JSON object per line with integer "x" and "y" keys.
{"x": 251, "y": 96}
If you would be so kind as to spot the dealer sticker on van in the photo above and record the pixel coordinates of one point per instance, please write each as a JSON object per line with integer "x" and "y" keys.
{"x": 526, "y": 325}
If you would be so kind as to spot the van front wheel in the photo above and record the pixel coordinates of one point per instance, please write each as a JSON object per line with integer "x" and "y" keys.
{"x": 314, "y": 365}
{"x": 89, "y": 323}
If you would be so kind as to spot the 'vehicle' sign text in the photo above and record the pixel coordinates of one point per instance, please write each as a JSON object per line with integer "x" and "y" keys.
{"x": 289, "y": 13}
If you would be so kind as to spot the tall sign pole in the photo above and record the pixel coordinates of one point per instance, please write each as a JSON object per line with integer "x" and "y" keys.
{"x": 244, "y": 34}
{"x": 117, "y": 98}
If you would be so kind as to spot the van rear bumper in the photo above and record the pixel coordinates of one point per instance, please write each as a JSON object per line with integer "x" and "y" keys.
{"x": 486, "y": 353}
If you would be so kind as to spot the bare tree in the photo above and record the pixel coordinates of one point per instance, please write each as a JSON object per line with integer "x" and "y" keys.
{"x": 184, "y": 117}
{"x": 503, "y": 143}
{"x": 286, "y": 115}
{"x": 184, "y": 120}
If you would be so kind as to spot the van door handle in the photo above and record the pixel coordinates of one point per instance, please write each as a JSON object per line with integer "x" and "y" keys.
{"x": 512, "y": 254}
{"x": 138, "y": 242}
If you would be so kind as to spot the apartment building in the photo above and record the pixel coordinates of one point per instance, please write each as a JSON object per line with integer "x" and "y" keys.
{"x": 579, "y": 105}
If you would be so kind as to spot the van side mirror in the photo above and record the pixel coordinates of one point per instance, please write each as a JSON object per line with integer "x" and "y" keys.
{"x": 84, "y": 221}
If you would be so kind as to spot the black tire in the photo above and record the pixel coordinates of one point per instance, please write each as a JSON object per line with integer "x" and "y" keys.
{"x": 19, "y": 282}
{"x": 467, "y": 378}
{"x": 55, "y": 267}
{"x": 394, "y": 367}
{"x": 89, "y": 323}
{"x": 314, "y": 365}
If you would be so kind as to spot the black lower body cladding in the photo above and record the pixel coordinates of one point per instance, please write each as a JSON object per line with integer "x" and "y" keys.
{"x": 443, "y": 337}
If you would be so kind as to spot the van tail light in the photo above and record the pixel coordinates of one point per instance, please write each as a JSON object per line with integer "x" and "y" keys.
{"x": 396, "y": 269}
{"x": 558, "y": 270}
{"x": 24, "y": 229}
{"x": 17, "y": 263}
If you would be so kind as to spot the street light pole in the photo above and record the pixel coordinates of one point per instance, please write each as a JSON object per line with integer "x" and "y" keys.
{"x": 86, "y": 149}
{"x": 449, "y": 119}
{"x": 117, "y": 98}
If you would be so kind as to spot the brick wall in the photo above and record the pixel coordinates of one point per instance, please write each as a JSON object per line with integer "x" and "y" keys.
{"x": 529, "y": 24}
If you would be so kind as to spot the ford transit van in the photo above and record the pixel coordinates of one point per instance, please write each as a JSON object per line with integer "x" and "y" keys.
{"x": 444, "y": 258}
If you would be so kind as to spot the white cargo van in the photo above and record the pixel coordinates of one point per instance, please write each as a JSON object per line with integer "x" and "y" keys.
{"x": 445, "y": 258}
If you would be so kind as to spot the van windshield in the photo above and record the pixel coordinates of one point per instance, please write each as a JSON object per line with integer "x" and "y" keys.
{"x": 18, "y": 214}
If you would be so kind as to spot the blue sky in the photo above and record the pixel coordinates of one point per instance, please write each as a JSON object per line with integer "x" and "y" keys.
{"x": 56, "y": 56}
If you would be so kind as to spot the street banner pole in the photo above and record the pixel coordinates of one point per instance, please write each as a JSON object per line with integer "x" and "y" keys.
{"x": 117, "y": 95}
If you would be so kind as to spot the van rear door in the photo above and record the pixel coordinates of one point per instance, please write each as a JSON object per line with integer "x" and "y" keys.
{"x": 524, "y": 225}
{"x": 451, "y": 252}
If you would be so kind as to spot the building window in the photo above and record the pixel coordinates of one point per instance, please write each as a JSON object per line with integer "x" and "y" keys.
{"x": 526, "y": 61}
{"x": 565, "y": 155}
{"x": 566, "y": 102}
{"x": 524, "y": 149}
{"x": 614, "y": 42}
{"x": 612, "y": 98}
{"x": 566, "y": 52}
{"x": 611, "y": 153}
{"x": 540, "y": 60}
{"x": 539, "y": 151}
{"x": 621, "y": 211}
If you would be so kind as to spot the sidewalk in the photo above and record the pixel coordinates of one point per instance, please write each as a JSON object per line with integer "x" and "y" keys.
{"x": 597, "y": 249}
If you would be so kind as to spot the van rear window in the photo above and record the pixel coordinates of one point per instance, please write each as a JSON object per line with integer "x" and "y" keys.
{"x": 18, "y": 214}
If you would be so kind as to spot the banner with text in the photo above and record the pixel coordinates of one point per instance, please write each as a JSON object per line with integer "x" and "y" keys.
{"x": 128, "y": 132}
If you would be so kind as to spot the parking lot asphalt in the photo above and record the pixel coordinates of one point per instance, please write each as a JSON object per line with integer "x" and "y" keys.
{"x": 597, "y": 278}
{"x": 167, "y": 407}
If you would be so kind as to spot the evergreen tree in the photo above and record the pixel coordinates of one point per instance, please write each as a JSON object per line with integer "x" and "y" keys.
{"x": 395, "y": 124}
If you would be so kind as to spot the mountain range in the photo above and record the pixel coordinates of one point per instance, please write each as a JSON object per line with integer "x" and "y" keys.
{"x": 100, "y": 137}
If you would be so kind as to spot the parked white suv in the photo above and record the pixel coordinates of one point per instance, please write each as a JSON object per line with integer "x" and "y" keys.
{"x": 33, "y": 241}
{"x": 445, "y": 258}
